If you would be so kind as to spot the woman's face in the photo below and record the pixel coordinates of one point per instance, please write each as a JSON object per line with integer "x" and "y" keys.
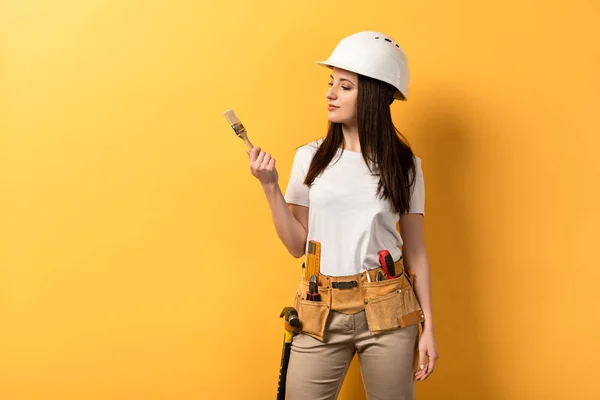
{"x": 342, "y": 96}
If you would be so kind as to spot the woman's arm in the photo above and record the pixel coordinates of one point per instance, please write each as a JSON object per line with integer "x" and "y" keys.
{"x": 291, "y": 220}
{"x": 416, "y": 260}
{"x": 415, "y": 255}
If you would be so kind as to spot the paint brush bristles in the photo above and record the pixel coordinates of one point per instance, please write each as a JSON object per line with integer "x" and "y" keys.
{"x": 237, "y": 127}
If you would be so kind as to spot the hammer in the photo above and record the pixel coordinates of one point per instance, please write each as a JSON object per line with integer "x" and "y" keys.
{"x": 291, "y": 324}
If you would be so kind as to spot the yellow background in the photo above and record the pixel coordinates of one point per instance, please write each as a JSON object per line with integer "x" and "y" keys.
{"x": 138, "y": 259}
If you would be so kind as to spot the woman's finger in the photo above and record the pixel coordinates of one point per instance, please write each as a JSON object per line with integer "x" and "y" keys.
{"x": 421, "y": 373}
{"x": 253, "y": 153}
{"x": 266, "y": 160}
{"x": 422, "y": 363}
{"x": 424, "y": 374}
{"x": 260, "y": 158}
{"x": 431, "y": 365}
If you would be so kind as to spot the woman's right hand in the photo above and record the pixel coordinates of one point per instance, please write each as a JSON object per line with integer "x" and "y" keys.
{"x": 262, "y": 166}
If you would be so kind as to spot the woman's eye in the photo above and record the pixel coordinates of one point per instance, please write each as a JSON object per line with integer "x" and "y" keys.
{"x": 343, "y": 87}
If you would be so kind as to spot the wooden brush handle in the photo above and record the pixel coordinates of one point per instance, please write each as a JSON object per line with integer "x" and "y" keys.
{"x": 244, "y": 137}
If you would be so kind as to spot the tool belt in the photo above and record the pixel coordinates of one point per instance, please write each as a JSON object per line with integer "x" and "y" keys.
{"x": 389, "y": 304}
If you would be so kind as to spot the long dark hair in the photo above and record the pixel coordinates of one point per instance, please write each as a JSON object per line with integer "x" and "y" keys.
{"x": 385, "y": 150}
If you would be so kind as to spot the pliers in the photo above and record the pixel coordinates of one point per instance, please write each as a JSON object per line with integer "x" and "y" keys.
{"x": 313, "y": 291}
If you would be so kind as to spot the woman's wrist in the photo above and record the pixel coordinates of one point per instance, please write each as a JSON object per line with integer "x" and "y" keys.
{"x": 269, "y": 188}
{"x": 427, "y": 327}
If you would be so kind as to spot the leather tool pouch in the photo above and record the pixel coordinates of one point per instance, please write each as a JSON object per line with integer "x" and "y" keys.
{"x": 388, "y": 304}
{"x": 312, "y": 314}
{"x": 391, "y": 304}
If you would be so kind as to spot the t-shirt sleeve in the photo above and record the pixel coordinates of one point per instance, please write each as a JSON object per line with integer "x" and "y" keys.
{"x": 297, "y": 191}
{"x": 417, "y": 197}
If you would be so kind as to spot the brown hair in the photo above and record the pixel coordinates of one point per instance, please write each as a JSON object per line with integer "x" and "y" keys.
{"x": 385, "y": 150}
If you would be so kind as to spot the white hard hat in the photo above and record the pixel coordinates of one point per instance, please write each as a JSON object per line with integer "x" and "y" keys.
{"x": 372, "y": 54}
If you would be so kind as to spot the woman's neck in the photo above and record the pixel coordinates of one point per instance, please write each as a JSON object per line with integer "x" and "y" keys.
{"x": 351, "y": 141}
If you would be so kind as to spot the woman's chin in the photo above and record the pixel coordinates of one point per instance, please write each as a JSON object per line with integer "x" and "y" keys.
{"x": 335, "y": 120}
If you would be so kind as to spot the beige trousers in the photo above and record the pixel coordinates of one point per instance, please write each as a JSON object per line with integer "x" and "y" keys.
{"x": 387, "y": 360}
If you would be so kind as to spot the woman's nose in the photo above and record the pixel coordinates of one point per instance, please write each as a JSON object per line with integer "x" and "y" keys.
{"x": 330, "y": 94}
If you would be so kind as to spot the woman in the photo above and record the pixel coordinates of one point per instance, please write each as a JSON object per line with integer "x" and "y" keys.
{"x": 348, "y": 191}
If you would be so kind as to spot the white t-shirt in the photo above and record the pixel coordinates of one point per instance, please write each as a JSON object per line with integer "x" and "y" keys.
{"x": 345, "y": 215}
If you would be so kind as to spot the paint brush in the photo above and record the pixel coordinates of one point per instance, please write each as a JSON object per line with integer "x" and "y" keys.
{"x": 237, "y": 126}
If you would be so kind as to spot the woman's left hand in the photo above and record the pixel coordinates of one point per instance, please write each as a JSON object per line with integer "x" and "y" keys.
{"x": 426, "y": 348}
